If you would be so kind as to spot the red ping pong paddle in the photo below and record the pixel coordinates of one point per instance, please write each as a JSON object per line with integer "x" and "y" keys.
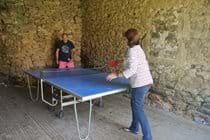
{"x": 113, "y": 63}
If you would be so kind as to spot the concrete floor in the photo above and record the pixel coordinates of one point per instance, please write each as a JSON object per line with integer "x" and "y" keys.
{"x": 21, "y": 119}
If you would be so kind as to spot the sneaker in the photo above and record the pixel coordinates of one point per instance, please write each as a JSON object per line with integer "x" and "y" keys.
{"x": 128, "y": 130}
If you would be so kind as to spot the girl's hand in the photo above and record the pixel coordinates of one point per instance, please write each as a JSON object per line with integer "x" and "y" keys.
{"x": 111, "y": 76}
{"x": 70, "y": 60}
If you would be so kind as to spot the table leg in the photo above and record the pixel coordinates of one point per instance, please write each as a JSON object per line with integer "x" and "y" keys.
{"x": 52, "y": 93}
{"x": 61, "y": 113}
{"x": 42, "y": 96}
{"x": 77, "y": 121}
{"x": 53, "y": 100}
{"x": 30, "y": 91}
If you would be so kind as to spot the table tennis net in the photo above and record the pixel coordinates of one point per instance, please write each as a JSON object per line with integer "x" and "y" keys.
{"x": 44, "y": 74}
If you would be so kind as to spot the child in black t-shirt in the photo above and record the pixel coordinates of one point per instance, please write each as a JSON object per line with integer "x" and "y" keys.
{"x": 64, "y": 52}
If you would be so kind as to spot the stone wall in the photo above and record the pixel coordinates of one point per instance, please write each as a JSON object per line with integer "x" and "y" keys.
{"x": 176, "y": 39}
{"x": 29, "y": 30}
{"x": 175, "y": 36}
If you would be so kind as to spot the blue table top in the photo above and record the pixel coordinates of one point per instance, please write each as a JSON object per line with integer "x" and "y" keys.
{"x": 85, "y": 84}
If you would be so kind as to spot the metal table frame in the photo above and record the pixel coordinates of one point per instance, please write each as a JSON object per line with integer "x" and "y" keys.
{"x": 54, "y": 101}
{"x": 79, "y": 100}
{"x": 40, "y": 83}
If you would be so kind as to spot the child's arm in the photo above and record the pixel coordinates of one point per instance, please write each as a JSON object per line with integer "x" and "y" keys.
{"x": 72, "y": 51}
{"x": 57, "y": 55}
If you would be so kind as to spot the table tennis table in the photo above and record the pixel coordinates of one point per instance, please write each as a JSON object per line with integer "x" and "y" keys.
{"x": 80, "y": 84}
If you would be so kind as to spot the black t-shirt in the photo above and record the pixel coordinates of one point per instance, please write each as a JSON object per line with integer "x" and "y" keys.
{"x": 65, "y": 49}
